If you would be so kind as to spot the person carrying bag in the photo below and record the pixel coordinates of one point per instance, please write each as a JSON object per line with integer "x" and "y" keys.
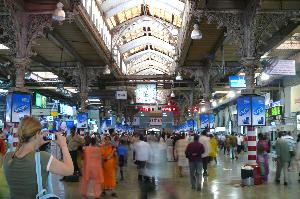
{"x": 43, "y": 193}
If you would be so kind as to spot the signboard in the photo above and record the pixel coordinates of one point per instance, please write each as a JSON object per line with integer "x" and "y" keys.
{"x": 145, "y": 93}
{"x": 295, "y": 99}
{"x": 121, "y": 95}
{"x": 237, "y": 81}
{"x": 136, "y": 121}
{"x": 274, "y": 111}
{"x": 18, "y": 105}
{"x": 282, "y": 67}
{"x": 244, "y": 111}
{"x": 70, "y": 123}
{"x": 211, "y": 121}
{"x": 204, "y": 121}
{"x": 258, "y": 111}
{"x": 155, "y": 121}
{"x": 40, "y": 112}
{"x": 82, "y": 120}
{"x": 40, "y": 100}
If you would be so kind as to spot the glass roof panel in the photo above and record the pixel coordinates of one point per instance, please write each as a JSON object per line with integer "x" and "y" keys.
{"x": 140, "y": 26}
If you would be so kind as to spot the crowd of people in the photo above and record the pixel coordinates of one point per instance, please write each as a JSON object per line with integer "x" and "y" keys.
{"x": 99, "y": 160}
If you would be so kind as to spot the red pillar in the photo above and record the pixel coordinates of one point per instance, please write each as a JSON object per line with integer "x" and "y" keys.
{"x": 251, "y": 145}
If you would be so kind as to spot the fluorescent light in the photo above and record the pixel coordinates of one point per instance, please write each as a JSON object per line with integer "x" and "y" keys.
{"x": 94, "y": 100}
{"x": 231, "y": 94}
{"x": 3, "y": 47}
{"x": 264, "y": 76}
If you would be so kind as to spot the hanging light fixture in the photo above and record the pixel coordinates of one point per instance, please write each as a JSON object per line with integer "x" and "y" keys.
{"x": 107, "y": 70}
{"x": 264, "y": 76}
{"x": 172, "y": 94}
{"x": 59, "y": 14}
{"x": 196, "y": 33}
{"x": 178, "y": 77}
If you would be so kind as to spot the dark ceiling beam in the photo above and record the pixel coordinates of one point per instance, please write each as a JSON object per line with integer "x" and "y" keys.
{"x": 62, "y": 43}
{"x": 46, "y": 65}
{"x": 279, "y": 36}
{"x": 149, "y": 77}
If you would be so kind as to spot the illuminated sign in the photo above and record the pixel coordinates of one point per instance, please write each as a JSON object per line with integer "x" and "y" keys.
{"x": 237, "y": 82}
{"x": 274, "y": 111}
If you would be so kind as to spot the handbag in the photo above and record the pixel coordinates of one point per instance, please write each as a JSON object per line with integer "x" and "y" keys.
{"x": 42, "y": 193}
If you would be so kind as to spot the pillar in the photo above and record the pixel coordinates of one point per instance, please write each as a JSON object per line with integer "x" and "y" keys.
{"x": 251, "y": 134}
{"x": 21, "y": 65}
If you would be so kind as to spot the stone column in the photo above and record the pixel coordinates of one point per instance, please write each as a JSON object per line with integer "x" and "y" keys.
{"x": 21, "y": 65}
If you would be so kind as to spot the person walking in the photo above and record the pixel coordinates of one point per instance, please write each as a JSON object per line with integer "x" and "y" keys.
{"x": 194, "y": 153}
{"x": 283, "y": 158}
{"x": 297, "y": 157}
{"x": 19, "y": 166}
{"x": 92, "y": 172}
{"x": 262, "y": 156}
{"x": 122, "y": 156}
{"x": 169, "y": 143}
{"x": 233, "y": 146}
{"x": 213, "y": 148}
{"x": 292, "y": 144}
{"x": 240, "y": 141}
{"x": 3, "y": 148}
{"x": 108, "y": 152}
{"x": 179, "y": 150}
{"x": 74, "y": 143}
{"x": 204, "y": 140}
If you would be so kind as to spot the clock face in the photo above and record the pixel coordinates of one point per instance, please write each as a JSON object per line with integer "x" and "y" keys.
{"x": 145, "y": 93}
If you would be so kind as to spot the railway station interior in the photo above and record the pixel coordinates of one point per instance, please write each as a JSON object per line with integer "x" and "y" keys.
{"x": 150, "y": 99}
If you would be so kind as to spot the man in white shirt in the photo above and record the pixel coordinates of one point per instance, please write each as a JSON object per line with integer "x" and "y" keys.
{"x": 142, "y": 151}
{"x": 204, "y": 140}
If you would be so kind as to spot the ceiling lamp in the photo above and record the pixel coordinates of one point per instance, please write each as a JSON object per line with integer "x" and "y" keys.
{"x": 214, "y": 103}
{"x": 196, "y": 33}
{"x": 107, "y": 70}
{"x": 59, "y": 14}
{"x": 174, "y": 32}
{"x": 172, "y": 94}
{"x": 178, "y": 77}
{"x": 203, "y": 109}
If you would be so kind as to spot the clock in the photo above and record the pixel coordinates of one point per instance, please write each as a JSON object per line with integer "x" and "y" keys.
{"x": 145, "y": 93}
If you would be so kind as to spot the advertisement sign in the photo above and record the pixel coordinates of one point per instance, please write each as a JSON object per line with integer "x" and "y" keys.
{"x": 258, "y": 111}
{"x": 244, "y": 111}
{"x": 282, "y": 67}
{"x": 40, "y": 100}
{"x": 8, "y": 107}
{"x": 212, "y": 121}
{"x": 121, "y": 95}
{"x": 21, "y": 106}
{"x": 70, "y": 123}
{"x": 237, "y": 81}
{"x": 145, "y": 93}
{"x": 204, "y": 121}
{"x": 295, "y": 99}
{"x": 40, "y": 112}
{"x": 82, "y": 120}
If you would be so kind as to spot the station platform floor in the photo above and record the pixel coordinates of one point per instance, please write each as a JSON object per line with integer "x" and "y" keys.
{"x": 223, "y": 182}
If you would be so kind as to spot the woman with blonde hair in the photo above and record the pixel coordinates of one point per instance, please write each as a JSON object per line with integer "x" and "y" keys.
{"x": 19, "y": 166}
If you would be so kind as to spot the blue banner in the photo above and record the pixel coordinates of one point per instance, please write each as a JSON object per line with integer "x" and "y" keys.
{"x": 244, "y": 111}
{"x": 21, "y": 106}
{"x": 204, "y": 121}
{"x": 82, "y": 120}
{"x": 211, "y": 121}
{"x": 258, "y": 111}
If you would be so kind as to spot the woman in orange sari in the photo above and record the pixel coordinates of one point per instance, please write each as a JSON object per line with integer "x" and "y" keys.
{"x": 2, "y": 147}
{"x": 109, "y": 156}
{"x": 92, "y": 169}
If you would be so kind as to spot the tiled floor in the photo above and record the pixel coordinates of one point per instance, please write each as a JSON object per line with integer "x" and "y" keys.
{"x": 222, "y": 182}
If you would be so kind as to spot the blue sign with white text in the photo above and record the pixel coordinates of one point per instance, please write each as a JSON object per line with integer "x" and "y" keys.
{"x": 211, "y": 121}
{"x": 204, "y": 120}
{"x": 82, "y": 120}
{"x": 244, "y": 111}
{"x": 237, "y": 81}
{"x": 21, "y": 106}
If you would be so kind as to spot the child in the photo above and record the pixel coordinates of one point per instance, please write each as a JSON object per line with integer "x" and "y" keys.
{"x": 122, "y": 153}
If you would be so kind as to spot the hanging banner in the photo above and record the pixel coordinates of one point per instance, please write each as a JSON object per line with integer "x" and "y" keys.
{"x": 282, "y": 67}
{"x": 82, "y": 120}
{"x": 295, "y": 99}
{"x": 244, "y": 111}
{"x": 18, "y": 106}
{"x": 258, "y": 111}
{"x": 204, "y": 121}
{"x": 211, "y": 121}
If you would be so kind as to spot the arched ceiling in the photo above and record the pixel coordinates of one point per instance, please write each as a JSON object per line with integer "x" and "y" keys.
{"x": 145, "y": 31}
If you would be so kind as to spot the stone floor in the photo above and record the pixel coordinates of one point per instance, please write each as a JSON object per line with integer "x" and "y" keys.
{"x": 223, "y": 182}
